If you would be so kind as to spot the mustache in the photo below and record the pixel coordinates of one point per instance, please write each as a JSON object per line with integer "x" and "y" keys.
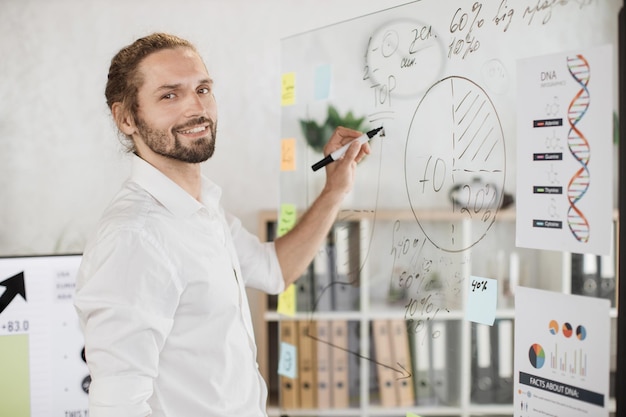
{"x": 195, "y": 122}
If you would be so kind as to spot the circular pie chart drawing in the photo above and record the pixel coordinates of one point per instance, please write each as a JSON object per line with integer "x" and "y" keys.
{"x": 554, "y": 327}
{"x": 536, "y": 355}
{"x": 455, "y": 147}
{"x": 567, "y": 330}
{"x": 581, "y": 332}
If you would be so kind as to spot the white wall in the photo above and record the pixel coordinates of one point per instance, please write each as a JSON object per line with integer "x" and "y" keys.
{"x": 60, "y": 160}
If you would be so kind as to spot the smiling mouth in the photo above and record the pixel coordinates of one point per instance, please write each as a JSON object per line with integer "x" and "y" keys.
{"x": 197, "y": 129}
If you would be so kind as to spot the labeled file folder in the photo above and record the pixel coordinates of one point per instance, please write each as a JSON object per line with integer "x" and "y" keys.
{"x": 307, "y": 366}
{"x": 401, "y": 356}
{"x": 384, "y": 359}
{"x": 339, "y": 357}
{"x": 324, "y": 363}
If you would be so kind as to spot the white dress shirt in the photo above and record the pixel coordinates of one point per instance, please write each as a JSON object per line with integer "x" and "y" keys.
{"x": 162, "y": 303}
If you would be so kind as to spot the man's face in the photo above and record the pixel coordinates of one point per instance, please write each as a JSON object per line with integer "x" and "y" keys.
{"x": 177, "y": 116}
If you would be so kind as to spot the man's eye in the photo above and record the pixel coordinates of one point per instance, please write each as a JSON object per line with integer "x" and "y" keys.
{"x": 204, "y": 90}
{"x": 168, "y": 96}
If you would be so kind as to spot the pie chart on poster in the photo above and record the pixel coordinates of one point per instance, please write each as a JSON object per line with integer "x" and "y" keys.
{"x": 536, "y": 355}
{"x": 567, "y": 330}
{"x": 554, "y": 327}
{"x": 581, "y": 332}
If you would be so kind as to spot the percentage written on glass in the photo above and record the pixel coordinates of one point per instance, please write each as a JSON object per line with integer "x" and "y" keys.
{"x": 479, "y": 285}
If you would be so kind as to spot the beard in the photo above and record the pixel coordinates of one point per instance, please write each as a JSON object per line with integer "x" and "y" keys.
{"x": 160, "y": 141}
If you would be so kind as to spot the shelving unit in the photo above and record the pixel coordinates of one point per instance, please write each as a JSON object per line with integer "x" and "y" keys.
{"x": 374, "y": 305}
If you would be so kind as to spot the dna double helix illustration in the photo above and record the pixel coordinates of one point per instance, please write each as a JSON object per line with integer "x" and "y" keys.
{"x": 579, "y": 148}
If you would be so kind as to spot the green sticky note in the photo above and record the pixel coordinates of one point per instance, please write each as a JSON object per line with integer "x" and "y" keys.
{"x": 286, "y": 218}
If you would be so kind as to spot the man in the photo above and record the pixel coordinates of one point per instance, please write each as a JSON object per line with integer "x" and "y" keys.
{"x": 161, "y": 289}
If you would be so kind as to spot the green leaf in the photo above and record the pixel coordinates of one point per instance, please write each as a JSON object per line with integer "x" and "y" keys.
{"x": 313, "y": 134}
{"x": 317, "y": 135}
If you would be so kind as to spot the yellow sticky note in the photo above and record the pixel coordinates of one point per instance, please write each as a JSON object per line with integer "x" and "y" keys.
{"x": 287, "y": 301}
{"x": 288, "y": 90}
{"x": 288, "y": 155}
{"x": 411, "y": 415}
{"x": 286, "y": 219}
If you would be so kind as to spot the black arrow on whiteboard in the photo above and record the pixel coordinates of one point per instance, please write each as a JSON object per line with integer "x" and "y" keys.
{"x": 404, "y": 373}
{"x": 14, "y": 287}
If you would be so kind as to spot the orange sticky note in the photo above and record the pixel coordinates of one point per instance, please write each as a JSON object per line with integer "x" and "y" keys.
{"x": 288, "y": 90}
{"x": 288, "y": 155}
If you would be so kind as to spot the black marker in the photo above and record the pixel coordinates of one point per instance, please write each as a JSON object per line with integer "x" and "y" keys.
{"x": 341, "y": 151}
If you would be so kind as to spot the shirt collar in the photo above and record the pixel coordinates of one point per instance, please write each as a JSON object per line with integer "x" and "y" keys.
{"x": 170, "y": 194}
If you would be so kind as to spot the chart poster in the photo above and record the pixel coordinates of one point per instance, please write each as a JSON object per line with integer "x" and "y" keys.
{"x": 561, "y": 354}
{"x": 565, "y": 151}
{"x": 42, "y": 368}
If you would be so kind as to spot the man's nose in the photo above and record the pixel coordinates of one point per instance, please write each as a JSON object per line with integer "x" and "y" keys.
{"x": 194, "y": 106}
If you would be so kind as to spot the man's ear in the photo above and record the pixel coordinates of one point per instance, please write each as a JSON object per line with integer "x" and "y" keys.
{"x": 123, "y": 119}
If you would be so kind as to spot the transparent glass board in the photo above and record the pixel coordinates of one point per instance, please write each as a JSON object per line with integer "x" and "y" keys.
{"x": 432, "y": 216}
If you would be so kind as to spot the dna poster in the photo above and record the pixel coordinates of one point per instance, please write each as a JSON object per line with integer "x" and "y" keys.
{"x": 565, "y": 151}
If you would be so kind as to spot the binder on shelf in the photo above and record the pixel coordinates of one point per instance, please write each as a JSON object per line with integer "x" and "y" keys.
{"x": 607, "y": 277}
{"x": 383, "y": 355}
{"x": 324, "y": 381}
{"x": 613, "y": 358}
{"x": 401, "y": 356}
{"x": 289, "y": 390}
{"x": 344, "y": 255}
{"x": 594, "y": 276}
{"x": 354, "y": 363}
{"x": 307, "y": 367}
{"x": 484, "y": 365}
{"x": 422, "y": 375}
{"x": 322, "y": 278}
{"x": 305, "y": 290}
{"x": 505, "y": 361}
{"x": 339, "y": 359}
{"x": 439, "y": 366}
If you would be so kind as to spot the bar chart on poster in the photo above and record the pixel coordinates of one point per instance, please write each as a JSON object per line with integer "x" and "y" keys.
{"x": 494, "y": 164}
{"x": 41, "y": 346}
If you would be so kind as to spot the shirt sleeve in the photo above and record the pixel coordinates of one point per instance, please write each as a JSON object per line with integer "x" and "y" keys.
{"x": 258, "y": 260}
{"x": 126, "y": 298}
